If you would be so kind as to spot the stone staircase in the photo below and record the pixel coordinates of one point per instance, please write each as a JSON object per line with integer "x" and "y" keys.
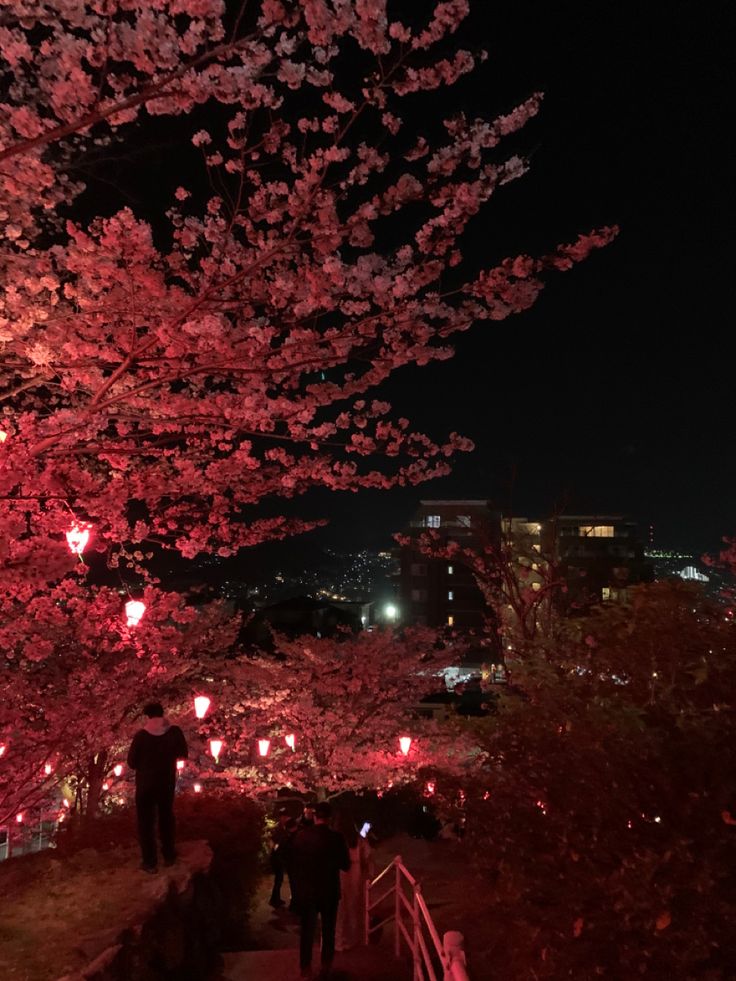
{"x": 373, "y": 963}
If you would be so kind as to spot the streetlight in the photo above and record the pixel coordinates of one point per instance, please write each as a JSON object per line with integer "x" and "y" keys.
{"x": 390, "y": 611}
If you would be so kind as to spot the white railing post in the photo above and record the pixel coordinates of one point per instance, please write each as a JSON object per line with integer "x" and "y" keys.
{"x": 397, "y": 907}
{"x": 418, "y": 973}
{"x": 453, "y": 944}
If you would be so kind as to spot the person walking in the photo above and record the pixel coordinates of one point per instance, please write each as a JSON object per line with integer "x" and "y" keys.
{"x": 351, "y": 912}
{"x": 153, "y": 754}
{"x": 280, "y": 839}
{"x": 318, "y": 855}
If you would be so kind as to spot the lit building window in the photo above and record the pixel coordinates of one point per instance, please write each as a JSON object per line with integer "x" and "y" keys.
{"x": 450, "y": 570}
{"x": 432, "y": 521}
{"x": 605, "y": 593}
{"x": 450, "y": 595}
{"x": 451, "y": 621}
{"x": 596, "y": 531}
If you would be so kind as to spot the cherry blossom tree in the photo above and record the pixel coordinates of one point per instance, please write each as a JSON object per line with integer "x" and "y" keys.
{"x": 347, "y": 702}
{"x": 162, "y": 377}
{"x": 162, "y": 391}
{"x": 72, "y": 694}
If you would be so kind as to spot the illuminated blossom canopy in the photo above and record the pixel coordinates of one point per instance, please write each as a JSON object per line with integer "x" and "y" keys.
{"x": 239, "y": 361}
{"x": 160, "y": 378}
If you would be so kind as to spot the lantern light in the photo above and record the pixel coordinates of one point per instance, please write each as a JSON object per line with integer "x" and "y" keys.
{"x": 430, "y": 787}
{"x": 180, "y": 765}
{"x": 201, "y": 704}
{"x": 3, "y": 747}
{"x": 263, "y": 746}
{"x": 66, "y": 803}
{"x": 3, "y": 435}
{"x": 134, "y": 610}
{"x": 405, "y": 744}
{"x": 118, "y": 769}
{"x": 106, "y": 785}
{"x": 198, "y": 788}
{"x": 19, "y": 817}
{"x": 290, "y": 741}
{"x": 47, "y": 769}
{"x": 216, "y": 748}
{"x": 77, "y": 538}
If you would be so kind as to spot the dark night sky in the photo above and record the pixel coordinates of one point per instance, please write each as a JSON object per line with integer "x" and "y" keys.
{"x": 614, "y": 393}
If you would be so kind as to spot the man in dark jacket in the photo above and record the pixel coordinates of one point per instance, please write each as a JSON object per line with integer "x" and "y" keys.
{"x": 318, "y": 854}
{"x": 153, "y": 755}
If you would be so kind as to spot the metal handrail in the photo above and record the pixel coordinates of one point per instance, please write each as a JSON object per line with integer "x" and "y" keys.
{"x": 449, "y": 951}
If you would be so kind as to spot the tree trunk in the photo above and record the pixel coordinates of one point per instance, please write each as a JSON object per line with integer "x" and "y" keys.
{"x": 95, "y": 778}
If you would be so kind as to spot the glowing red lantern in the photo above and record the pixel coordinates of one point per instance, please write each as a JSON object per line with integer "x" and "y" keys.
{"x": 134, "y": 610}
{"x": 19, "y": 817}
{"x": 118, "y": 769}
{"x": 263, "y": 746}
{"x": 180, "y": 765}
{"x": 215, "y": 748}
{"x": 290, "y": 741}
{"x": 198, "y": 788}
{"x": 77, "y": 538}
{"x": 405, "y": 744}
{"x": 201, "y": 704}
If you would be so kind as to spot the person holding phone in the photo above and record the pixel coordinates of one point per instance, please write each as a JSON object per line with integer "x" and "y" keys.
{"x": 351, "y": 914}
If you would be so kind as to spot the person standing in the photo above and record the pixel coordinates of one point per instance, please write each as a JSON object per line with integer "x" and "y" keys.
{"x": 153, "y": 754}
{"x": 280, "y": 839}
{"x": 318, "y": 855}
{"x": 351, "y": 912}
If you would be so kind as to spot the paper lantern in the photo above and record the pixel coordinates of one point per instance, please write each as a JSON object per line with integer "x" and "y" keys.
{"x": 106, "y": 785}
{"x": 3, "y": 435}
{"x": 19, "y": 817}
{"x": 201, "y": 704}
{"x": 290, "y": 741}
{"x": 118, "y": 769}
{"x": 263, "y": 746}
{"x": 405, "y": 744}
{"x": 47, "y": 769}
{"x": 77, "y": 538}
{"x": 180, "y": 765}
{"x": 66, "y": 804}
{"x": 215, "y": 748}
{"x": 198, "y": 788}
{"x": 134, "y": 610}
